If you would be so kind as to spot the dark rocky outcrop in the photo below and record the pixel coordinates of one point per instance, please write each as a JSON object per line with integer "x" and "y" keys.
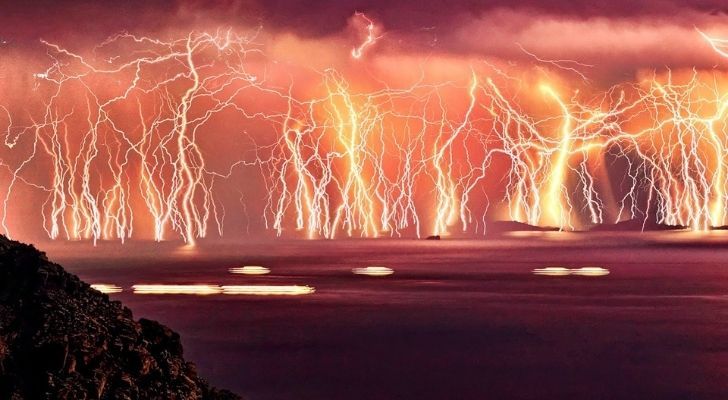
{"x": 60, "y": 339}
{"x": 513, "y": 226}
{"x": 636, "y": 225}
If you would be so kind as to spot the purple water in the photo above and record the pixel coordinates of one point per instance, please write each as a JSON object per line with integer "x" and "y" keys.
{"x": 457, "y": 320}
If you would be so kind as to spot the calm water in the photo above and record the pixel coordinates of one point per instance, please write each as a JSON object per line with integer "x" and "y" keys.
{"x": 457, "y": 320}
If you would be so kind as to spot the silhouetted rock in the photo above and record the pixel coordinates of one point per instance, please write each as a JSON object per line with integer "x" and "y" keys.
{"x": 513, "y": 226}
{"x": 636, "y": 225}
{"x": 433, "y": 237}
{"x": 60, "y": 339}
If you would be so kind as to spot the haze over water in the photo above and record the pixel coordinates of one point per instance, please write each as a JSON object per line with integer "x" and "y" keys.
{"x": 458, "y": 319}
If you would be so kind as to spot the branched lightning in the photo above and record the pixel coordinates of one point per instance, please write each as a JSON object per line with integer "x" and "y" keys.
{"x": 369, "y": 39}
{"x": 120, "y": 137}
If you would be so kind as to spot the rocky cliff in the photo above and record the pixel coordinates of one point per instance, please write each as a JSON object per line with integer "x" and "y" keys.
{"x": 60, "y": 339}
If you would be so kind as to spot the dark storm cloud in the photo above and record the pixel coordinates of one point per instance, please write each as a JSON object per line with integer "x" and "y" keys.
{"x": 620, "y": 36}
{"x": 313, "y": 18}
{"x": 29, "y": 21}
{"x": 329, "y": 16}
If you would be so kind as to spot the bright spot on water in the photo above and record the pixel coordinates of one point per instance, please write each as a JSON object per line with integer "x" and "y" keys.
{"x": 552, "y": 271}
{"x": 203, "y": 290}
{"x": 561, "y": 271}
{"x": 373, "y": 271}
{"x": 106, "y": 288}
{"x": 590, "y": 271}
{"x": 199, "y": 290}
{"x": 249, "y": 270}
{"x": 268, "y": 290}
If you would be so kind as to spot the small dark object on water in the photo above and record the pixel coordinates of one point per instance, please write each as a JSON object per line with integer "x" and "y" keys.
{"x": 433, "y": 237}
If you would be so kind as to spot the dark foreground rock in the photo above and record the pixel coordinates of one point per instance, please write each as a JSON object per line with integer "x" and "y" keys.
{"x": 60, "y": 339}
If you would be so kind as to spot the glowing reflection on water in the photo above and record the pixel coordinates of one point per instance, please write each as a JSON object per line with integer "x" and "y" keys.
{"x": 197, "y": 289}
{"x": 106, "y": 288}
{"x": 552, "y": 271}
{"x": 590, "y": 271}
{"x": 268, "y": 290}
{"x": 561, "y": 271}
{"x": 373, "y": 271}
{"x": 249, "y": 270}
{"x": 204, "y": 289}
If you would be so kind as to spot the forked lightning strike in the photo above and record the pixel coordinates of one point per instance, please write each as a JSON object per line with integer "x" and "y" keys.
{"x": 121, "y": 138}
{"x": 369, "y": 39}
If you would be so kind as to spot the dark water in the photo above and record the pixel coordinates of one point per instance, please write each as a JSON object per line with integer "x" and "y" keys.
{"x": 457, "y": 320}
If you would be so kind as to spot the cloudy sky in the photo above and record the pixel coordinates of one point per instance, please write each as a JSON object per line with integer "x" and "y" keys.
{"x": 619, "y": 35}
{"x": 608, "y": 42}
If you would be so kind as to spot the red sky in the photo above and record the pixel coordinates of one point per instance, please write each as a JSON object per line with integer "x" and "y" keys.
{"x": 613, "y": 42}
{"x": 623, "y": 35}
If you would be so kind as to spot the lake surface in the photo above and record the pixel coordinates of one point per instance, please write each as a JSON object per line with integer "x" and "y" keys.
{"x": 458, "y": 319}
